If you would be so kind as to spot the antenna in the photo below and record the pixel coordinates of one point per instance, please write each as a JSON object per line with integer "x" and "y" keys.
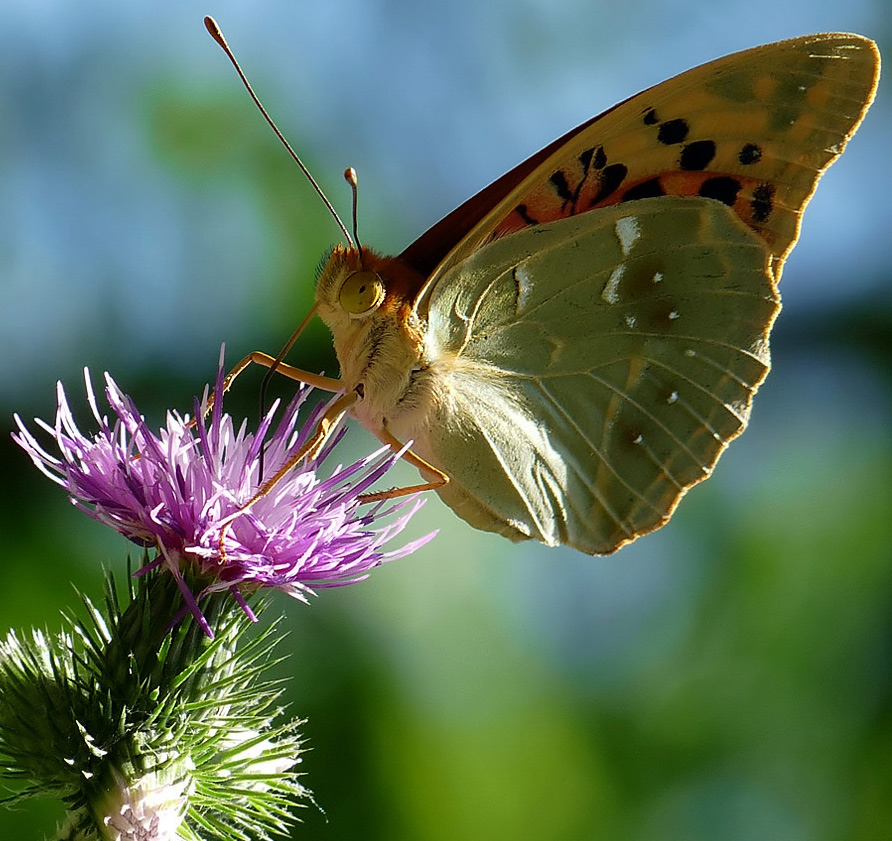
{"x": 217, "y": 35}
{"x": 352, "y": 179}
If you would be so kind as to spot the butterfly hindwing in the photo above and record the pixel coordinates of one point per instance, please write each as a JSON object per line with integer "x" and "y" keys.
{"x": 600, "y": 364}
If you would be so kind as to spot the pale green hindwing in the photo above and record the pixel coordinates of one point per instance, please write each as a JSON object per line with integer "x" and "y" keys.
{"x": 598, "y": 366}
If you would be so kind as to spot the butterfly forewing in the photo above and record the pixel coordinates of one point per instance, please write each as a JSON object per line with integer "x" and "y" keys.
{"x": 754, "y": 130}
{"x": 600, "y": 365}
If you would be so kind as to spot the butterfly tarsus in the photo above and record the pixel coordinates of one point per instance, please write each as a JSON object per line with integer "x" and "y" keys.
{"x": 395, "y": 493}
{"x": 438, "y": 481}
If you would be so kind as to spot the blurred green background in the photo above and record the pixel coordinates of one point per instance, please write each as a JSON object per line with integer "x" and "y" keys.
{"x": 729, "y": 677}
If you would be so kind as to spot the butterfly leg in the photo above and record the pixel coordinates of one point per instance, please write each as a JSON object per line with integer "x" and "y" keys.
{"x": 439, "y": 477}
{"x": 267, "y": 361}
{"x": 310, "y": 449}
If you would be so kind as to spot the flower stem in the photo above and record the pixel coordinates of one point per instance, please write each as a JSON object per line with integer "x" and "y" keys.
{"x": 145, "y": 726}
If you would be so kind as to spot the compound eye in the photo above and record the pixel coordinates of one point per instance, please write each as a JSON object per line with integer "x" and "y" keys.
{"x": 361, "y": 292}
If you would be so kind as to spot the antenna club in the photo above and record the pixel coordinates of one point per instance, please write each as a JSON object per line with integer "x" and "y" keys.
{"x": 351, "y": 177}
{"x": 215, "y": 32}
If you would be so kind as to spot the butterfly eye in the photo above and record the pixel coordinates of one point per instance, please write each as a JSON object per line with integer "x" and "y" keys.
{"x": 361, "y": 292}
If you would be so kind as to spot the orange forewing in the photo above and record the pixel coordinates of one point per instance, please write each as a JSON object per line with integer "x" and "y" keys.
{"x": 425, "y": 254}
{"x": 754, "y": 130}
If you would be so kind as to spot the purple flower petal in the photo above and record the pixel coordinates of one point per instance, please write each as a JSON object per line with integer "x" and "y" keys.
{"x": 183, "y": 491}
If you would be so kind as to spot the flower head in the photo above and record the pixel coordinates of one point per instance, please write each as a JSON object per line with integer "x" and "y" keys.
{"x": 185, "y": 490}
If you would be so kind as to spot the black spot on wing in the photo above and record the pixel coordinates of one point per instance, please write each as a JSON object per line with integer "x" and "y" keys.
{"x": 722, "y": 187}
{"x": 645, "y": 190}
{"x": 749, "y": 153}
{"x": 762, "y": 202}
{"x": 521, "y": 211}
{"x": 562, "y": 188}
{"x": 600, "y": 159}
{"x": 672, "y": 132}
{"x": 650, "y": 117}
{"x": 610, "y": 179}
{"x": 697, "y": 155}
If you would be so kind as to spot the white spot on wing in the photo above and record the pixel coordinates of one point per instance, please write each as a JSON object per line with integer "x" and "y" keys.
{"x": 524, "y": 288}
{"x": 658, "y": 277}
{"x": 611, "y": 288}
{"x": 627, "y": 231}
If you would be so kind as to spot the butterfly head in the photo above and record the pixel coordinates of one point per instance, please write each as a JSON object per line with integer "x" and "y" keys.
{"x": 349, "y": 288}
{"x": 355, "y": 285}
{"x": 367, "y": 301}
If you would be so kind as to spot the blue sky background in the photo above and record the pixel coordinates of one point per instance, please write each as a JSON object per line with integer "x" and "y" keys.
{"x": 727, "y": 677}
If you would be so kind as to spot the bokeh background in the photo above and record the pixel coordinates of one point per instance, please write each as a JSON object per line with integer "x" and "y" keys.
{"x": 729, "y": 677}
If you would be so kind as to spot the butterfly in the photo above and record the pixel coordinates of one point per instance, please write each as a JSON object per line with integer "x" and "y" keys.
{"x": 573, "y": 348}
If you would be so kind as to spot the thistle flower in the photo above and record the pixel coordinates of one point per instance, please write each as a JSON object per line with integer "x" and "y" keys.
{"x": 152, "y": 729}
{"x": 184, "y": 492}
